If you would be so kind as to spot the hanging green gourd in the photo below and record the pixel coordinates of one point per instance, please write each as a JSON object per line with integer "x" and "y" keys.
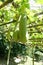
{"x": 16, "y": 35}
{"x": 22, "y": 28}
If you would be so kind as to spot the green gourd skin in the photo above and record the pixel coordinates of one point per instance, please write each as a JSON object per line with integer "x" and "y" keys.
{"x": 22, "y": 29}
{"x": 20, "y": 35}
{"x": 16, "y": 36}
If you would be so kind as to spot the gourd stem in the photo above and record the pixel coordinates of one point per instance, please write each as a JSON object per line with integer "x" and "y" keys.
{"x": 33, "y": 55}
{"x": 8, "y": 59}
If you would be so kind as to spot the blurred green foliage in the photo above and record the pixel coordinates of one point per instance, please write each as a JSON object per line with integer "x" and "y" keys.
{"x": 34, "y": 29}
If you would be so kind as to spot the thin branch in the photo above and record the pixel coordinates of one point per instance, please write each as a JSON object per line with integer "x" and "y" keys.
{"x": 5, "y": 3}
{"x": 8, "y": 23}
{"x": 36, "y": 39}
{"x": 37, "y": 14}
{"x": 35, "y": 44}
{"x": 35, "y": 31}
{"x": 34, "y": 25}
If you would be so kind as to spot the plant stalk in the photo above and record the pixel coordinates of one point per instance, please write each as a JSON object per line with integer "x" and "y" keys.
{"x": 8, "y": 59}
{"x": 33, "y": 56}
